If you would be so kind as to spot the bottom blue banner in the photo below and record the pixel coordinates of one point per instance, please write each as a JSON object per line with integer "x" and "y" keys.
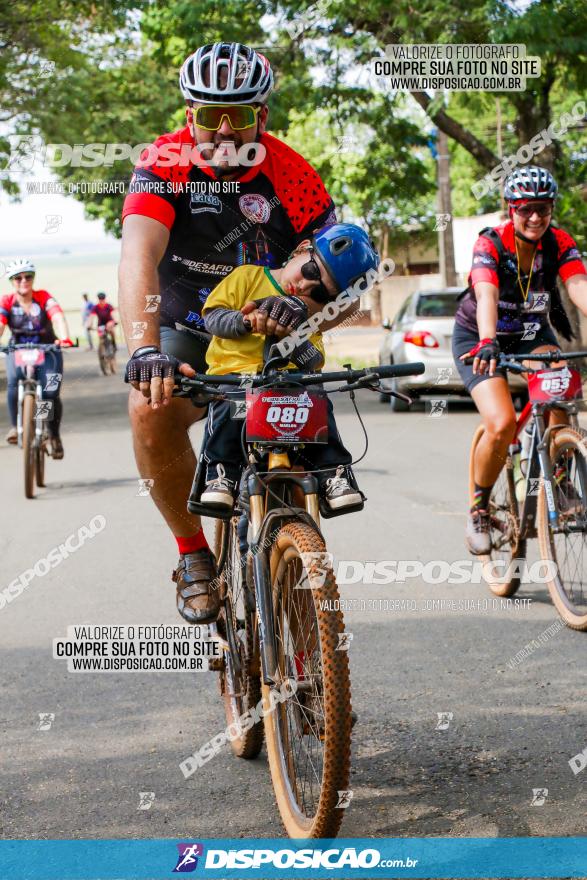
{"x": 222, "y": 858}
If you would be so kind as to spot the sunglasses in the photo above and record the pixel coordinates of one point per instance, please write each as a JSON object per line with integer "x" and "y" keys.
{"x": 240, "y": 116}
{"x": 311, "y": 272}
{"x": 26, "y": 277}
{"x": 527, "y": 210}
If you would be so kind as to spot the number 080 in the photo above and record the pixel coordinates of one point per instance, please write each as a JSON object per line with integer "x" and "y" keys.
{"x": 288, "y": 415}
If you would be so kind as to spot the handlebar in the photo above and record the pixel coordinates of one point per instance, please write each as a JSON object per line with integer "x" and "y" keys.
{"x": 364, "y": 378}
{"x": 512, "y": 362}
{"x": 44, "y": 346}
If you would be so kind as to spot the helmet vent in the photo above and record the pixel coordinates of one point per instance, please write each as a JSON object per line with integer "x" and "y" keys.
{"x": 339, "y": 245}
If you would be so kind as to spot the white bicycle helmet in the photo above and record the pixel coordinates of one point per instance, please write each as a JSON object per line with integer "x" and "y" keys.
{"x": 531, "y": 182}
{"x": 249, "y": 78}
{"x": 23, "y": 264}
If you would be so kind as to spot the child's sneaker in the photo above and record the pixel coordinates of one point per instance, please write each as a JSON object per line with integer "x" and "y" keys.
{"x": 339, "y": 492}
{"x": 219, "y": 492}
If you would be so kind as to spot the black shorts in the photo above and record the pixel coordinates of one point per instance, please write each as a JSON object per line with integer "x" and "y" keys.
{"x": 464, "y": 340}
{"x": 186, "y": 346}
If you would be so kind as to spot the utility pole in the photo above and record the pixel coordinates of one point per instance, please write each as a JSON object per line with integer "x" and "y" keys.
{"x": 444, "y": 223}
{"x": 499, "y": 148}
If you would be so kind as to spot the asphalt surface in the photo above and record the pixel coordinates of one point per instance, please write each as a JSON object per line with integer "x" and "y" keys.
{"x": 116, "y": 735}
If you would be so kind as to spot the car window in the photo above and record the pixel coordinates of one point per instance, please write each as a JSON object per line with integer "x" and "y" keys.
{"x": 436, "y": 305}
{"x": 400, "y": 315}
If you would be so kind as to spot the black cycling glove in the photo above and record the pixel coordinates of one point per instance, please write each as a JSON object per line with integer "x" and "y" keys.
{"x": 287, "y": 311}
{"x": 486, "y": 350}
{"x": 147, "y": 363}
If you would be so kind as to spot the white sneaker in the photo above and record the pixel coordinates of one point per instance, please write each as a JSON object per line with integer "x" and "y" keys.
{"x": 339, "y": 492}
{"x": 219, "y": 492}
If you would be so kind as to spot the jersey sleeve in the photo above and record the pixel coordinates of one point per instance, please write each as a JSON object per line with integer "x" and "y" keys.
{"x": 47, "y": 302}
{"x": 485, "y": 262}
{"x": 5, "y": 305}
{"x": 569, "y": 258}
{"x": 238, "y": 288}
{"x": 162, "y": 169}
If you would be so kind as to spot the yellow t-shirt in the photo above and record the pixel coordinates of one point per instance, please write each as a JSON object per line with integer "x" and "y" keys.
{"x": 245, "y": 354}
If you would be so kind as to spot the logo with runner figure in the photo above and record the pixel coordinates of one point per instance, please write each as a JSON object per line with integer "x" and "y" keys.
{"x": 187, "y": 860}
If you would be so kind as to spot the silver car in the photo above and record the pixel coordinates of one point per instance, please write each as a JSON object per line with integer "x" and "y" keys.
{"x": 422, "y": 331}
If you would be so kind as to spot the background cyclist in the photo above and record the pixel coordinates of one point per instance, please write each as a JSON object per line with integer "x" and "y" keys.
{"x": 34, "y": 316}
{"x": 512, "y": 304}
{"x": 103, "y": 315}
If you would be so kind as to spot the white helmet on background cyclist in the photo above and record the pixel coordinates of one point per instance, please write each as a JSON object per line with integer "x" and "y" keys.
{"x": 23, "y": 264}
{"x": 226, "y": 73}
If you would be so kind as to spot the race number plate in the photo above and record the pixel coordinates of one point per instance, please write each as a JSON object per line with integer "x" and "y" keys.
{"x": 287, "y": 416}
{"x": 562, "y": 384}
{"x": 27, "y": 357}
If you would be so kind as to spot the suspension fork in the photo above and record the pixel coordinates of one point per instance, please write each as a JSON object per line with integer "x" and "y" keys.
{"x": 541, "y": 440}
{"x": 263, "y": 587}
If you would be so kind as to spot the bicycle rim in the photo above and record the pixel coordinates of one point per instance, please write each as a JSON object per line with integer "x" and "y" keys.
{"x": 308, "y": 735}
{"x": 241, "y": 690}
{"x": 567, "y": 549}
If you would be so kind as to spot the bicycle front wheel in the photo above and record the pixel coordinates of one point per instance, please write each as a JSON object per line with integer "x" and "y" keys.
{"x": 28, "y": 444}
{"x": 308, "y": 734}
{"x": 508, "y": 550}
{"x": 567, "y": 548}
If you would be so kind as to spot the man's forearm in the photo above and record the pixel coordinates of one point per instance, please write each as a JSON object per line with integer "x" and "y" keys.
{"x": 138, "y": 278}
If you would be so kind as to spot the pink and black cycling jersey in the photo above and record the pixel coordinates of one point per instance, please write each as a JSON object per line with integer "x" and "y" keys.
{"x": 213, "y": 228}
{"x": 34, "y": 325}
{"x": 495, "y": 261}
{"x": 104, "y": 313}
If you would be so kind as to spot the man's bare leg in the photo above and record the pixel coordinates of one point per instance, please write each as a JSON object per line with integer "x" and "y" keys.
{"x": 164, "y": 454}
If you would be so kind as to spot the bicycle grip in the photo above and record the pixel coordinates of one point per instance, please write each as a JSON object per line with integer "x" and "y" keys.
{"x": 389, "y": 372}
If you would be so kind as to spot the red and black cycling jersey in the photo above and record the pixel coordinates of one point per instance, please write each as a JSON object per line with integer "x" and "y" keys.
{"x": 495, "y": 261}
{"x": 217, "y": 225}
{"x": 34, "y": 325}
{"x": 103, "y": 311}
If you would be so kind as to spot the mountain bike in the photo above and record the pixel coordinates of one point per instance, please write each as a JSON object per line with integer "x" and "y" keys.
{"x": 280, "y": 625}
{"x": 33, "y": 412}
{"x": 106, "y": 350}
{"x": 552, "y": 503}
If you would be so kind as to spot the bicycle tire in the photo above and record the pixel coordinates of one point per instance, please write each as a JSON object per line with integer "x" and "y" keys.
{"x": 504, "y": 517}
{"x": 564, "y": 441}
{"x": 322, "y": 672}
{"x": 237, "y": 703}
{"x": 28, "y": 440}
{"x": 40, "y": 463}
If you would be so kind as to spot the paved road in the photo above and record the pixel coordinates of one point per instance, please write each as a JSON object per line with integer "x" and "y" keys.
{"x": 116, "y": 735}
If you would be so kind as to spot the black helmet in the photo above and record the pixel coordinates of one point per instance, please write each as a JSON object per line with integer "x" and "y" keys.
{"x": 101, "y": 295}
{"x": 531, "y": 182}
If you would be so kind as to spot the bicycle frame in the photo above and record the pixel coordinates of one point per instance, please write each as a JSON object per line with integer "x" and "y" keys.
{"x": 539, "y": 461}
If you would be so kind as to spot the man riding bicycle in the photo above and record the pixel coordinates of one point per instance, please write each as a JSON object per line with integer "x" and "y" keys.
{"x": 194, "y": 212}
{"x": 512, "y": 305}
{"x": 103, "y": 313}
{"x": 34, "y": 316}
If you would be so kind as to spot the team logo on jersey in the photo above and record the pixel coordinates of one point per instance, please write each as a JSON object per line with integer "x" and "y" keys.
{"x": 200, "y": 202}
{"x": 256, "y": 208}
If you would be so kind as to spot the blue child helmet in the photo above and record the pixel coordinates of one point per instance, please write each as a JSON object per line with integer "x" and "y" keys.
{"x": 346, "y": 251}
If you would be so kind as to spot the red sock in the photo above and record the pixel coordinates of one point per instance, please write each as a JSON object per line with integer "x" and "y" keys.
{"x": 193, "y": 543}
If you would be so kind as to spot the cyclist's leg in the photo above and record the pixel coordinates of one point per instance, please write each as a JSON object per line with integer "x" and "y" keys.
{"x": 165, "y": 455}
{"x": 493, "y": 400}
{"x": 12, "y": 374}
{"x": 51, "y": 377}
{"x": 162, "y": 447}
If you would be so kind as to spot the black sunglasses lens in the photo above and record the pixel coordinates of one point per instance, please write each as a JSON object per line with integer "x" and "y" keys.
{"x": 311, "y": 271}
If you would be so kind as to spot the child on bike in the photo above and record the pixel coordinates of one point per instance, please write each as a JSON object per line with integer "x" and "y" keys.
{"x": 318, "y": 270}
